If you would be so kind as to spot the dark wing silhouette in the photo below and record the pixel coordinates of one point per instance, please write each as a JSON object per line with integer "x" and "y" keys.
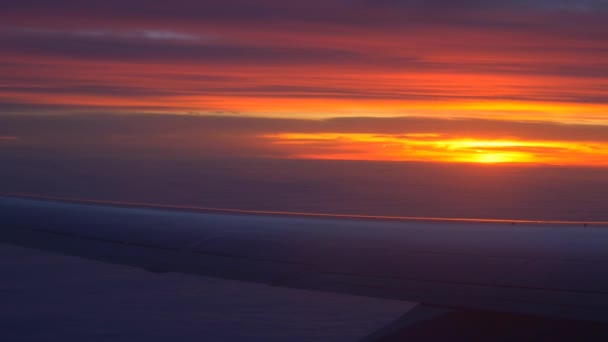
{"x": 551, "y": 269}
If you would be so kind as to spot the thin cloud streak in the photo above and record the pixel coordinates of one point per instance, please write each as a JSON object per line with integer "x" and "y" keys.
{"x": 340, "y": 146}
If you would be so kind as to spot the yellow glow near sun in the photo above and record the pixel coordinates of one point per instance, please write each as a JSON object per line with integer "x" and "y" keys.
{"x": 485, "y": 151}
{"x": 438, "y": 148}
{"x": 505, "y": 157}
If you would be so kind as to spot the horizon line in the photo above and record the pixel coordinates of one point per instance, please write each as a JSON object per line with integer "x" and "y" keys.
{"x": 187, "y": 208}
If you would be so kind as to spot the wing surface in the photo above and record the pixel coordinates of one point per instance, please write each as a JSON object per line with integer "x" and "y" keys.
{"x": 554, "y": 270}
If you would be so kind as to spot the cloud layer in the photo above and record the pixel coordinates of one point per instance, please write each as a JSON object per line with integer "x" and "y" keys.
{"x": 507, "y": 60}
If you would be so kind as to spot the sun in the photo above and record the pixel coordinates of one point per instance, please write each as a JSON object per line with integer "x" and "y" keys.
{"x": 500, "y": 157}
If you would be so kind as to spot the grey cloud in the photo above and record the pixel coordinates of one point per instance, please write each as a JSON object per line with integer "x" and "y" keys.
{"x": 363, "y": 13}
{"x": 504, "y": 4}
{"x": 131, "y": 49}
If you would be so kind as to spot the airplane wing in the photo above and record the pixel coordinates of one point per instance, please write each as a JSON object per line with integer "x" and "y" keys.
{"x": 550, "y": 269}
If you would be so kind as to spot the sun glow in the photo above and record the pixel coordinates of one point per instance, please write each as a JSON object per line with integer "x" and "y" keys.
{"x": 435, "y": 147}
{"x": 506, "y": 157}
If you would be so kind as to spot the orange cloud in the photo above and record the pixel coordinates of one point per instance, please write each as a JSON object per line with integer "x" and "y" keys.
{"x": 434, "y": 147}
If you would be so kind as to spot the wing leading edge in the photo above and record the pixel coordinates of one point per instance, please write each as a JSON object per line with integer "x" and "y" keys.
{"x": 554, "y": 270}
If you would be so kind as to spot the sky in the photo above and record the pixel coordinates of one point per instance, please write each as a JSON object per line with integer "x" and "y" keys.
{"x": 468, "y": 81}
{"x": 493, "y": 109}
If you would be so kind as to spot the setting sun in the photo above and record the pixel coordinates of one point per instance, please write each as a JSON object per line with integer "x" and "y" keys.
{"x": 495, "y": 158}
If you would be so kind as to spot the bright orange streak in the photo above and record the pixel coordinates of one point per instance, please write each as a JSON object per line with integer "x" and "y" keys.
{"x": 435, "y": 148}
{"x": 323, "y": 108}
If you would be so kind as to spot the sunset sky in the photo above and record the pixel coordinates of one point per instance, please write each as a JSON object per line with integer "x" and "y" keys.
{"x": 471, "y": 81}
